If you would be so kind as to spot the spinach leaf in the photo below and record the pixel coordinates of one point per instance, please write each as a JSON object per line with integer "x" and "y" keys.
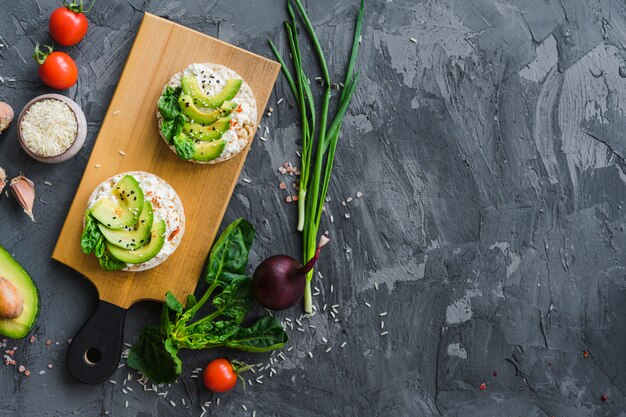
{"x": 91, "y": 235}
{"x": 191, "y": 301}
{"x": 100, "y": 248}
{"x": 168, "y": 103}
{"x": 109, "y": 263}
{"x": 173, "y": 303}
{"x": 264, "y": 335}
{"x": 208, "y": 334}
{"x": 230, "y": 252}
{"x": 184, "y": 147}
{"x": 154, "y": 357}
{"x": 235, "y": 299}
{"x": 172, "y": 128}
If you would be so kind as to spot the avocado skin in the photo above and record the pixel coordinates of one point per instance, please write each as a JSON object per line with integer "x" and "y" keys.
{"x": 192, "y": 111}
{"x": 137, "y": 237}
{"x": 192, "y": 88}
{"x": 207, "y": 133}
{"x": 145, "y": 253}
{"x": 208, "y": 151}
{"x": 18, "y": 328}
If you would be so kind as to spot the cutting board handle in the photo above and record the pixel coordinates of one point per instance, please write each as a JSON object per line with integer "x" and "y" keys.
{"x": 95, "y": 351}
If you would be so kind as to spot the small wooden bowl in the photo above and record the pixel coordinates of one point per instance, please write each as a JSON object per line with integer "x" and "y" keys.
{"x": 81, "y": 132}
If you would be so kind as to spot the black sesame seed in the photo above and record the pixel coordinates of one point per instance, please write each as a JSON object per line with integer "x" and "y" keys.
{"x": 108, "y": 225}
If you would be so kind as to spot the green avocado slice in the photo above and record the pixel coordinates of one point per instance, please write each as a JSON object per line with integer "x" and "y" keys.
{"x": 124, "y": 211}
{"x": 192, "y": 88}
{"x": 208, "y": 151}
{"x": 17, "y": 276}
{"x": 208, "y": 133}
{"x": 190, "y": 110}
{"x": 145, "y": 253}
{"x": 133, "y": 238}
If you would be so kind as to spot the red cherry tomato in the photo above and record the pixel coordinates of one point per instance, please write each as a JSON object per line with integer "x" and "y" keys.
{"x": 67, "y": 27}
{"x": 219, "y": 375}
{"x": 57, "y": 69}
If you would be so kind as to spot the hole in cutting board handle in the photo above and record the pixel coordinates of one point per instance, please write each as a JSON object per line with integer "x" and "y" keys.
{"x": 93, "y": 356}
{"x": 95, "y": 351}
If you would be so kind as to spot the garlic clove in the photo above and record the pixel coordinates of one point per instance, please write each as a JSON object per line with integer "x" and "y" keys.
{"x": 11, "y": 301}
{"x": 6, "y": 116}
{"x": 3, "y": 179}
{"x": 24, "y": 191}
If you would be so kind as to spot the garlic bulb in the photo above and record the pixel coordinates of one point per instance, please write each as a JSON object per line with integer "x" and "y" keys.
{"x": 24, "y": 191}
{"x": 6, "y": 115}
{"x": 3, "y": 179}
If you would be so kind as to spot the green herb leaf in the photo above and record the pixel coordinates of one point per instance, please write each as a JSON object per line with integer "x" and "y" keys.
{"x": 235, "y": 299}
{"x": 173, "y": 303}
{"x": 168, "y": 103}
{"x": 91, "y": 235}
{"x": 172, "y": 128}
{"x": 208, "y": 334}
{"x": 109, "y": 263}
{"x": 100, "y": 248}
{"x": 166, "y": 324}
{"x": 230, "y": 252}
{"x": 184, "y": 147}
{"x": 191, "y": 301}
{"x": 154, "y": 357}
{"x": 264, "y": 335}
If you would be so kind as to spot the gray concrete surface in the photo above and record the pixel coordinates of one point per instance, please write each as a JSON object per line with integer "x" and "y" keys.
{"x": 490, "y": 153}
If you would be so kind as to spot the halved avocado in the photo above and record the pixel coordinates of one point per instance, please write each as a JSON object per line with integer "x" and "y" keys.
{"x": 133, "y": 238}
{"x": 122, "y": 213}
{"x": 17, "y": 276}
{"x": 145, "y": 253}
{"x": 208, "y": 151}
{"x": 190, "y": 110}
{"x": 192, "y": 88}
{"x": 207, "y": 133}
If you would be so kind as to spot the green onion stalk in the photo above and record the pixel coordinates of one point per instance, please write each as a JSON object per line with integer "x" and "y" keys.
{"x": 319, "y": 141}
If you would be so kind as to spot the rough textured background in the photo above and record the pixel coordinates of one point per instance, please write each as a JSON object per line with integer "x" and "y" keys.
{"x": 490, "y": 152}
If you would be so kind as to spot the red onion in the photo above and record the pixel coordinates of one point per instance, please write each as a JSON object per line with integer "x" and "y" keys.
{"x": 278, "y": 282}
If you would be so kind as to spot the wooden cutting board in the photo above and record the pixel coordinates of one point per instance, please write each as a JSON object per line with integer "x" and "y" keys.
{"x": 129, "y": 141}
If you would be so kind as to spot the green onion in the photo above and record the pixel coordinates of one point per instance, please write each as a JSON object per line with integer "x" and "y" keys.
{"x": 319, "y": 142}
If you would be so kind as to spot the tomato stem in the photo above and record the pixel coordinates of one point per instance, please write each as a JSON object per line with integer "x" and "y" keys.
{"x": 77, "y": 7}
{"x": 239, "y": 368}
{"x": 39, "y": 55}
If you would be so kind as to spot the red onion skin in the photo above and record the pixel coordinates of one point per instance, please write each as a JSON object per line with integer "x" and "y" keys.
{"x": 278, "y": 282}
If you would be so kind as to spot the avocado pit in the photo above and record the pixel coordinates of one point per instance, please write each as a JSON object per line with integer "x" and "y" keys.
{"x": 11, "y": 301}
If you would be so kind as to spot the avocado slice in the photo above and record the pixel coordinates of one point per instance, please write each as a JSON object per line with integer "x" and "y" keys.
{"x": 122, "y": 213}
{"x": 190, "y": 110}
{"x": 208, "y": 151}
{"x": 192, "y": 88}
{"x": 207, "y": 133}
{"x": 18, "y": 279}
{"x": 133, "y": 238}
{"x": 145, "y": 253}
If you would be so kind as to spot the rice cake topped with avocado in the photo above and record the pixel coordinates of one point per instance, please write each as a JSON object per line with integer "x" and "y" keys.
{"x": 206, "y": 113}
{"x": 134, "y": 221}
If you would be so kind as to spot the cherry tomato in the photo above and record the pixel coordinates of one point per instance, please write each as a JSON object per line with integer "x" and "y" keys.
{"x": 219, "y": 375}
{"x": 57, "y": 69}
{"x": 68, "y": 24}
